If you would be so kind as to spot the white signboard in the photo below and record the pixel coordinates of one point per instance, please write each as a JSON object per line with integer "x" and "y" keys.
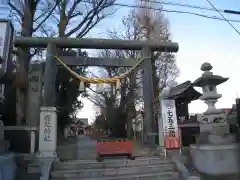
{"x": 6, "y": 35}
{"x": 48, "y": 130}
{"x": 3, "y": 35}
{"x": 170, "y": 126}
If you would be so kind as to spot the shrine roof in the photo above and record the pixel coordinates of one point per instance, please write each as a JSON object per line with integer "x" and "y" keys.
{"x": 184, "y": 91}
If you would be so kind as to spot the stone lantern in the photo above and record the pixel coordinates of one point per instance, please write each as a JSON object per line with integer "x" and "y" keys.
{"x": 208, "y": 82}
{"x": 215, "y": 153}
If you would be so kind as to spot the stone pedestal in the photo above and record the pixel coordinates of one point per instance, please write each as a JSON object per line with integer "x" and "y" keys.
{"x": 160, "y": 133}
{"x": 216, "y": 161}
{"x": 215, "y": 155}
{"x": 48, "y": 133}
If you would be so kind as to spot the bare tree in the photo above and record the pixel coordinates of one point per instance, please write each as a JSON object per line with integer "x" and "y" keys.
{"x": 154, "y": 26}
{"x": 140, "y": 24}
{"x": 113, "y": 105}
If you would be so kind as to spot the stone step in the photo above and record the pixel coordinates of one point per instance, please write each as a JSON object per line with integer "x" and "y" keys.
{"x": 74, "y": 153}
{"x": 112, "y": 172}
{"x": 85, "y": 145}
{"x": 76, "y": 156}
{"x": 146, "y": 176}
{"x": 86, "y": 152}
{"x": 88, "y": 157}
{"x": 109, "y": 163}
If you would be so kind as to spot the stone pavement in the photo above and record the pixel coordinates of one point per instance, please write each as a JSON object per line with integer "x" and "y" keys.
{"x": 141, "y": 150}
{"x": 83, "y": 148}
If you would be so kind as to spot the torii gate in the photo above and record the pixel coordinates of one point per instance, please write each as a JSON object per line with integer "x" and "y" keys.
{"x": 51, "y": 44}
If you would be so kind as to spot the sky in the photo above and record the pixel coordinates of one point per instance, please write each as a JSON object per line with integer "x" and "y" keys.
{"x": 200, "y": 40}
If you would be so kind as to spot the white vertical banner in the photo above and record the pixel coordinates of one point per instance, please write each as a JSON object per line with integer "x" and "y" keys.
{"x": 3, "y": 34}
{"x": 48, "y": 132}
{"x": 172, "y": 138}
{"x": 6, "y": 38}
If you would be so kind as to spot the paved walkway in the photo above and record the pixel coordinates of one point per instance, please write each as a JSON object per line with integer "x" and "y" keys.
{"x": 86, "y": 148}
{"x": 83, "y": 148}
{"x": 141, "y": 150}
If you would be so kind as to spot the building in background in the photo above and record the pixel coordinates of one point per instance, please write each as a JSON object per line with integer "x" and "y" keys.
{"x": 84, "y": 121}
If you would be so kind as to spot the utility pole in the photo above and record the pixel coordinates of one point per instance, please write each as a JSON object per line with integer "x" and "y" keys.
{"x": 231, "y": 12}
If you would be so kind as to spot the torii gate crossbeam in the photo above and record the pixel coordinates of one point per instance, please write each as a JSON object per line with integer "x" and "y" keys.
{"x": 96, "y": 43}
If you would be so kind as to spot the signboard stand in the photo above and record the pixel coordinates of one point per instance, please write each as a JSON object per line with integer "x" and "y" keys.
{"x": 48, "y": 133}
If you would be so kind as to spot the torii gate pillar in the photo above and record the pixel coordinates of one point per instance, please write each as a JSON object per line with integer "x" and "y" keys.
{"x": 149, "y": 127}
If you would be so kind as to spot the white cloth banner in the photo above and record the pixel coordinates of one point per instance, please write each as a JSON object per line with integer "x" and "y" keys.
{"x": 3, "y": 32}
{"x": 169, "y": 117}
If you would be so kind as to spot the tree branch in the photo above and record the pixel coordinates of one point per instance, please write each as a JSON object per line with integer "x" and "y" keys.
{"x": 46, "y": 17}
{"x": 15, "y": 9}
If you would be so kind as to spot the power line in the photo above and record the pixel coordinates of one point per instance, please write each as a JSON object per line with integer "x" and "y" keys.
{"x": 173, "y": 11}
{"x": 185, "y": 5}
{"x": 223, "y": 16}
